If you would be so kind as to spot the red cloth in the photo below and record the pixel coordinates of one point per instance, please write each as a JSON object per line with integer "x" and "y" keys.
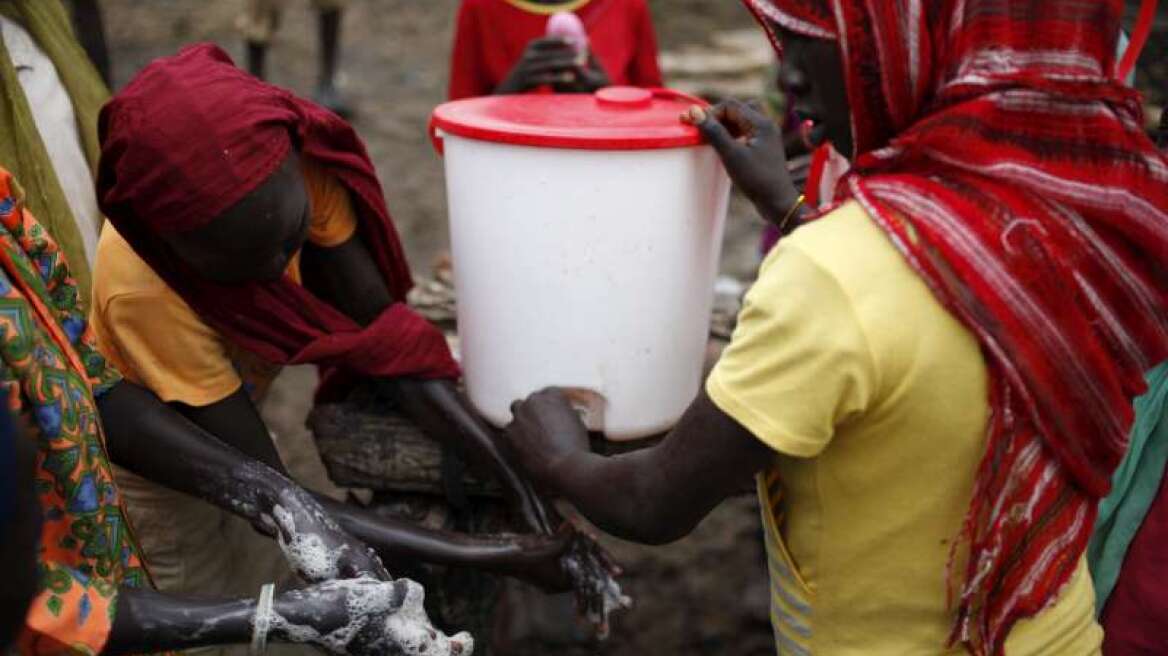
{"x": 1012, "y": 172}
{"x": 492, "y": 34}
{"x": 190, "y": 136}
{"x": 1133, "y": 620}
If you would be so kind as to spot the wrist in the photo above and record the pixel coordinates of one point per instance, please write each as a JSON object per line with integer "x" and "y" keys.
{"x": 778, "y": 205}
{"x": 558, "y": 473}
{"x": 322, "y": 610}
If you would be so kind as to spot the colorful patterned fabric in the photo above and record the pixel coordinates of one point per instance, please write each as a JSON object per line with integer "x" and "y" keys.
{"x": 49, "y": 375}
{"x": 1011, "y": 170}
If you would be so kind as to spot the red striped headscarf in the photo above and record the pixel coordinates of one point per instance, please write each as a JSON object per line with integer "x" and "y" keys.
{"x": 1003, "y": 160}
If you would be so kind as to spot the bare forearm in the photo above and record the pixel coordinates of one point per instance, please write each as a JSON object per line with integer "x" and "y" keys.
{"x": 154, "y": 441}
{"x": 147, "y": 621}
{"x": 445, "y": 415}
{"x": 348, "y": 277}
{"x": 393, "y": 539}
{"x": 653, "y": 495}
{"x": 629, "y": 496}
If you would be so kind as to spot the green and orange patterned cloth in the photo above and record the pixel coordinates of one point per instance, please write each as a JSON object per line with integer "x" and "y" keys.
{"x": 50, "y": 373}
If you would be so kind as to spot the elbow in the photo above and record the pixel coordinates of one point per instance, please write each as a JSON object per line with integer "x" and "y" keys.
{"x": 659, "y": 519}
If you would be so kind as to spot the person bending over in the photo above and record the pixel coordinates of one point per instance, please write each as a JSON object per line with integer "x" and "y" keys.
{"x": 247, "y": 230}
{"x": 64, "y": 421}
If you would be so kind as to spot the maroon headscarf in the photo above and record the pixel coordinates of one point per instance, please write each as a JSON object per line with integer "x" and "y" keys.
{"x": 189, "y": 137}
{"x": 1003, "y": 159}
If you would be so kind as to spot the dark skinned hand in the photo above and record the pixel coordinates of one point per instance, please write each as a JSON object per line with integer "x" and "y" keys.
{"x": 545, "y": 432}
{"x": 351, "y": 618}
{"x": 588, "y": 77}
{"x": 540, "y": 562}
{"x": 751, "y": 147}
{"x": 548, "y": 60}
{"x": 297, "y": 519}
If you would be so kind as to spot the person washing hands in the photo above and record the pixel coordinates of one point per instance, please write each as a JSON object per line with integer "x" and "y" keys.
{"x": 519, "y": 46}
{"x": 77, "y": 582}
{"x": 931, "y": 381}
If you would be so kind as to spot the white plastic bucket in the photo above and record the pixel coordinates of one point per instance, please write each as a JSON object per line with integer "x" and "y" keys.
{"x": 585, "y": 269}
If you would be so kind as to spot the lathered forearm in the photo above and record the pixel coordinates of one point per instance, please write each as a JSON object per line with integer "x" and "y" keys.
{"x": 154, "y": 441}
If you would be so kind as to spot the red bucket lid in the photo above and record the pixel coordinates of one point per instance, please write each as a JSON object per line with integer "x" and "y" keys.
{"x": 613, "y": 118}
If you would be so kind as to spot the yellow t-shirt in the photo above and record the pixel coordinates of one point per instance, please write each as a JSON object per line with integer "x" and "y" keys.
{"x": 874, "y": 399}
{"x": 156, "y": 340}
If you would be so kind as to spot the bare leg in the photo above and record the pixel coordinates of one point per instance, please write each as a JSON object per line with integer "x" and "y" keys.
{"x": 91, "y": 33}
{"x": 256, "y": 55}
{"x": 327, "y": 94}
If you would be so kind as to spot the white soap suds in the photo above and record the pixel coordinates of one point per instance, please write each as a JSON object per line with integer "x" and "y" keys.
{"x": 306, "y": 552}
{"x": 594, "y": 581}
{"x": 410, "y": 630}
{"x": 385, "y": 627}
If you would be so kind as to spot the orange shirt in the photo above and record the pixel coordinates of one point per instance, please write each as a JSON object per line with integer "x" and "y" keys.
{"x": 156, "y": 340}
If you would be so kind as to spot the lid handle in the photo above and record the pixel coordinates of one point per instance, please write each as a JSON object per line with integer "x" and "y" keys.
{"x": 436, "y": 137}
{"x": 674, "y": 94}
{"x": 624, "y": 97}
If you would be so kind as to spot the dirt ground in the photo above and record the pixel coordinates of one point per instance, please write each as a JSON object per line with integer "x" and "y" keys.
{"x": 706, "y": 594}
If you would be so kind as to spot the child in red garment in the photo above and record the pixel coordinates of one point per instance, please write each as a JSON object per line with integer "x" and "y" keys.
{"x": 500, "y": 47}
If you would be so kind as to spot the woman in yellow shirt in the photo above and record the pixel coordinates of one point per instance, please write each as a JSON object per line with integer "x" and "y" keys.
{"x": 932, "y": 380}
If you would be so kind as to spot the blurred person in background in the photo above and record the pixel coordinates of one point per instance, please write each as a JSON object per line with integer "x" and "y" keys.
{"x": 502, "y": 46}
{"x": 261, "y": 19}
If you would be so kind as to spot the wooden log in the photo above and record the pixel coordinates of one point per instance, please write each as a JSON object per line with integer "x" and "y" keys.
{"x": 382, "y": 450}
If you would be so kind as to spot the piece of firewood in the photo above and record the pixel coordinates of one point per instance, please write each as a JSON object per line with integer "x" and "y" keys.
{"x": 382, "y": 451}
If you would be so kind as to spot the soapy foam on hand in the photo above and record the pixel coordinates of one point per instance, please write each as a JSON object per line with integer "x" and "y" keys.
{"x": 306, "y": 552}
{"x": 405, "y": 629}
{"x": 592, "y": 578}
{"x": 411, "y": 631}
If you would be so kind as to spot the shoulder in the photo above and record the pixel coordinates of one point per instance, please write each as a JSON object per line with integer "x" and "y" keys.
{"x": 854, "y": 252}
{"x": 119, "y": 272}
{"x": 892, "y": 304}
{"x": 848, "y": 245}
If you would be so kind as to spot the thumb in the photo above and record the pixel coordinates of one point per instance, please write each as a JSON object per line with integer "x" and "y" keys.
{"x": 712, "y": 130}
